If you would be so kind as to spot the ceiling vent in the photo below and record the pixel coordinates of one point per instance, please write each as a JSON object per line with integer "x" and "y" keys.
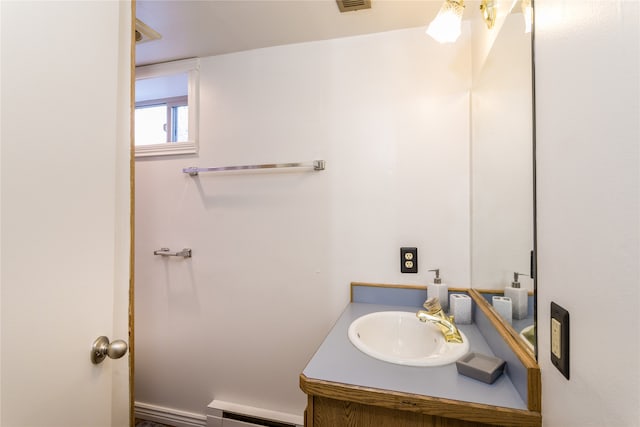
{"x": 350, "y": 5}
{"x": 145, "y": 33}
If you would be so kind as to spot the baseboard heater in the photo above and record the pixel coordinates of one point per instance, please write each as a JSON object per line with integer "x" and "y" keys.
{"x": 227, "y": 414}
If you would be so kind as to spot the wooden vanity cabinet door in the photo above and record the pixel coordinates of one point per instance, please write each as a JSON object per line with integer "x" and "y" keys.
{"x": 326, "y": 412}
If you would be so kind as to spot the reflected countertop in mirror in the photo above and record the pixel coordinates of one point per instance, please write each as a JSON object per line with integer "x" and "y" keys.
{"x": 522, "y": 329}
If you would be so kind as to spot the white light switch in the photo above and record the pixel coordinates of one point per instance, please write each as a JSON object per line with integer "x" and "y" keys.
{"x": 556, "y": 336}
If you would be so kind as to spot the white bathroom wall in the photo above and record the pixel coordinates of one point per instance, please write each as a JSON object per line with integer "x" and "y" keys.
{"x": 274, "y": 252}
{"x": 587, "y": 57}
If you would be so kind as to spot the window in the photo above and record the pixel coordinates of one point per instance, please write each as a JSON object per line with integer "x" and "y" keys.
{"x": 164, "y": 120}
{"x": 166, "y": 108}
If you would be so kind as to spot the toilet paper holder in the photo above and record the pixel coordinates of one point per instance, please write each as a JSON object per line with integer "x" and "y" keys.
{"x": 185, "y": 253}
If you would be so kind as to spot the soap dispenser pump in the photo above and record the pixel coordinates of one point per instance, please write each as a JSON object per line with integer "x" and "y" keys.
{"x": 439, "y": 290}
{"x": 519, "y": 297}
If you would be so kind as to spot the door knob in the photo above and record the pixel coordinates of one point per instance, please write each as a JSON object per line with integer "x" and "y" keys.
{"x": 102, "y": 348}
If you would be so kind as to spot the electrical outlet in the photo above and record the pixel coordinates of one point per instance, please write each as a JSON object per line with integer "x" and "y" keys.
{"x": 408, "y": 260}
{"x": 560, "y": 338}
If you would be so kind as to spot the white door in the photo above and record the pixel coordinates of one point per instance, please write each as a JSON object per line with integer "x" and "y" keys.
{"x": 64, "y": 211}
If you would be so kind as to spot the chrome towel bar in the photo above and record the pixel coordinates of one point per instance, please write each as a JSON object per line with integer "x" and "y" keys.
{"x": 186, "y": 252}
{"x": 317, "y": 165}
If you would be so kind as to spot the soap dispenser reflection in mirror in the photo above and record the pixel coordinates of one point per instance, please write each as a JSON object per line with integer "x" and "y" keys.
{"x": 519, "y": 297}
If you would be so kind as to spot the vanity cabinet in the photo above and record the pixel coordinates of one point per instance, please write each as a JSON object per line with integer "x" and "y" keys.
{"x": 333, "y": 413}
{"x": 338, "y": 405}
{"x": 345, "y": 387}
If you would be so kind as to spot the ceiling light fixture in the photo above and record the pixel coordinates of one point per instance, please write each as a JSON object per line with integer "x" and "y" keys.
{"x": 488, "y": 9}
{"x": 446, "y": 27}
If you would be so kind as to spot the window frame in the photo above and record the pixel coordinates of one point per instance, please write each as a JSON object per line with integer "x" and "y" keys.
{"x": 192, "y": 68}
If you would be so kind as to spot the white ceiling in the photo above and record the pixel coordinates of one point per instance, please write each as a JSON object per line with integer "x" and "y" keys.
{"x": 212, "y": 27}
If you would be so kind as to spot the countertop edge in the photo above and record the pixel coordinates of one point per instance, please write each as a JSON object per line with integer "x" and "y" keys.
{"x": 468, "y": 411}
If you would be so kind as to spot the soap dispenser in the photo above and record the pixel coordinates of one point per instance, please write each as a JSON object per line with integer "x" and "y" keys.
{"x": 439, "y": 290}
{"x": 519, "y": 297}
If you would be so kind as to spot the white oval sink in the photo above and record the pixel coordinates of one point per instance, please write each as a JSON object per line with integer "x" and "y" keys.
{"x": 400, "y": 337}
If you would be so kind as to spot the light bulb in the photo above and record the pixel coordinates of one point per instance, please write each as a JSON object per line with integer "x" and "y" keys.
{"x": 446, "y": 27}
{"x": 528, "y": 13}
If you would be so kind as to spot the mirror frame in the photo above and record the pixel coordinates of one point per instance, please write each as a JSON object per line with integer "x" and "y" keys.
{"x": 192, "y": 68}
{"x": 522, "y": 352}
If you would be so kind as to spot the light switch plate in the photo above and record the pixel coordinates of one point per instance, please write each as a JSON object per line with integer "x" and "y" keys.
{"x": 560, "y": 338}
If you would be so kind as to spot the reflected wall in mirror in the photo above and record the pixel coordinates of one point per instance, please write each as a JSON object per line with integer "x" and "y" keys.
{"x": 502, "y": 199}
{"x": 501, "y": 161}
{"x": 166, "y": 116}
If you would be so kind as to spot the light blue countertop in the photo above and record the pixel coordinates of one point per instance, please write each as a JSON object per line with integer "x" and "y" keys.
{"x": 338, "y": 360}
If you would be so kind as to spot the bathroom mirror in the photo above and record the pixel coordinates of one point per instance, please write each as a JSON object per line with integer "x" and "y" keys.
{"x": 502, "y": 168}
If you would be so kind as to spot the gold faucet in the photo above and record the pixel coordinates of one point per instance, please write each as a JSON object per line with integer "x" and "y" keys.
{"x": 436, "y": 315}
